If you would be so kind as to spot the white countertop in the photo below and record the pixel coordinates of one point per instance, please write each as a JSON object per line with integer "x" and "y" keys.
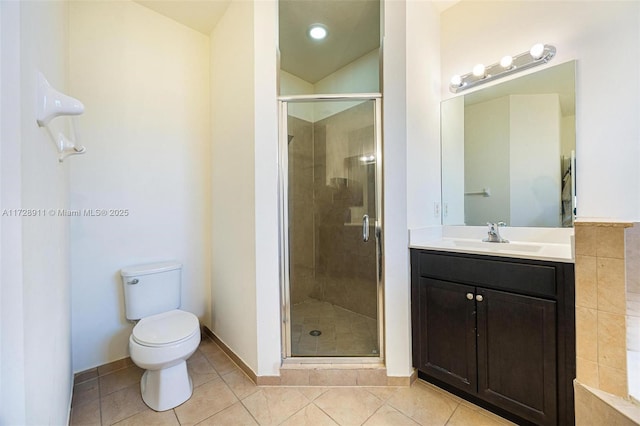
{"x": 552, "y": 244}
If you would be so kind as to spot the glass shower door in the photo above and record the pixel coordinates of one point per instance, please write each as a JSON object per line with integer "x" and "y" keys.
{"x": 332, "y": 224}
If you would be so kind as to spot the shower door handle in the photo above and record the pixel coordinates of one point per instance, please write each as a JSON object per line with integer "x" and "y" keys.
{"x": 379, "y": 250}
{"x": 365, "y": 228}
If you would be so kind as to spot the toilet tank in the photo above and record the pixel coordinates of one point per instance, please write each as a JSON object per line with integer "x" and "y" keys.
{"x": 151, "y": 288}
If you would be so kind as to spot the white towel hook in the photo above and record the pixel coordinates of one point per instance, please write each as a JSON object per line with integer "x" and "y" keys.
{"x": 51, "y": 104}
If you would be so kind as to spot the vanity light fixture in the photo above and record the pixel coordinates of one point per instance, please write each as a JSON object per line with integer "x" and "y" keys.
{"x": 480, "y": 71}
{"x": 506, "y": 62}
{"x": 538, "y": 54}
{"x": 537, "y": 50}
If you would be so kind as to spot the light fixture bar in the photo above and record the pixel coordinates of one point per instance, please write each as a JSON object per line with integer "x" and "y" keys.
{"x": 539, "y": 54}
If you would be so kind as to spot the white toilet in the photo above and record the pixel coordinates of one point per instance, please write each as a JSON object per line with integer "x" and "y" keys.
{"x": 164, "y": 337}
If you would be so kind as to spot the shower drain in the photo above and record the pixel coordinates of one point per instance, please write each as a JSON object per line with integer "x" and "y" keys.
{"x": 315, "y": 332}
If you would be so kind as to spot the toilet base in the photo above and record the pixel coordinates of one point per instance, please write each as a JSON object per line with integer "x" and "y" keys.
{"x": 166, "y": 388}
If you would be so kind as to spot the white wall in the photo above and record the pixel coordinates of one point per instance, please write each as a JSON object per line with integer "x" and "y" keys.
{"x": 293, "y": 85}
{"x": 45, "y": 241}
{"x": 35, "y": 295}
{"x": 359, "y": 76}
{"x": 394, "y": 152}
{"x": 486, "y": 162}
{"x": 534, "y": 158}
{"x": 233, "y": 280}
{"x": 568, "y": 135}
{"x": 452, "y": 131}
{"x": 411, "y": 153}
{"x": 266, "y": 189}
{"x": 597, "y": 35}
{"x": 245, "y": 281}
{"x": 144, "y": 80}
{"x": 12, "y": 326}
{"x": 423, "y": 113}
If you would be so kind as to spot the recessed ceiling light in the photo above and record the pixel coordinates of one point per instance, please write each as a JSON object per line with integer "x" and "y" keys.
{"x": 317, "y": 31}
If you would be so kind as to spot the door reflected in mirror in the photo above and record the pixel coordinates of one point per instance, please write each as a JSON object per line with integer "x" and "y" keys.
{"x": 508, "y": 152}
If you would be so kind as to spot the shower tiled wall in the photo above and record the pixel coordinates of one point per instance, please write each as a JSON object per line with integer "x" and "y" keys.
{"x": 607, "y": 276}
{"x": 346, "y": 269}
{"x": 633, "y": 288}
{"x": 601, "y": 347}
{"x": 632, "y": 252}
{"x": 329, "y": 262}
{"x": 301, "y": 207}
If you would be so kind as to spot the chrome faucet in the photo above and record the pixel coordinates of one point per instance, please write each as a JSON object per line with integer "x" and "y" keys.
{"x": 493, "y": 235}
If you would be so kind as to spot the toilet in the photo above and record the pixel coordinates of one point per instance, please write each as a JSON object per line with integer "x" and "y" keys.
{"x": 164, "y": 336}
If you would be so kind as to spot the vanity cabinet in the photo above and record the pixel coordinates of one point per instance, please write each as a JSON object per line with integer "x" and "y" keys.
{"x": 497, "y": 331}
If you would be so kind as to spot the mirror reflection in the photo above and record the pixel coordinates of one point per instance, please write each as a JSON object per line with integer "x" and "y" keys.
{"x": 508, "y": 152}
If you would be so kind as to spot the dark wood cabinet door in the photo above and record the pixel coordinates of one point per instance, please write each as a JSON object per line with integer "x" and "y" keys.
{"x": 517, "y": 354}
{"x": 447, "y": 327}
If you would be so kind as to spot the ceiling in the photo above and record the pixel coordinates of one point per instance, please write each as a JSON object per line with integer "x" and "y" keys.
{"x": 353, "y": 30}
{"x": 200, "y": 15}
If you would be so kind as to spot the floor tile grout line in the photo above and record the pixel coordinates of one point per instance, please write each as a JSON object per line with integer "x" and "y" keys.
{"x": 99, "y": 396}
{"x": 452, "y": 413}
{"x": 231, "y": 389}
{"x": 293, "y": 414}
{"x": 209, "y": 362}
{"x": 374, "y": 413}
{"x": 247, "y": 408}
{"x": 329, "y": 415}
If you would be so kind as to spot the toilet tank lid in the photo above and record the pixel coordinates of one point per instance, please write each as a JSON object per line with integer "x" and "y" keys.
{"x": 149, "y": 268}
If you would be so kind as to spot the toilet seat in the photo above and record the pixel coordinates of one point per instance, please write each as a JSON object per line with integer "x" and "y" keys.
{"x": 167, "y": 328}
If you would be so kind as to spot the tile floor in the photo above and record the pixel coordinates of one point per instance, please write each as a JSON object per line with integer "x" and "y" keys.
{"x": 223, "y": 395}
{"x": 344, "y": 333}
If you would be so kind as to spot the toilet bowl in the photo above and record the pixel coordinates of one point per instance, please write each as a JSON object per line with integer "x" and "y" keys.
{"x": 161, "y": 344}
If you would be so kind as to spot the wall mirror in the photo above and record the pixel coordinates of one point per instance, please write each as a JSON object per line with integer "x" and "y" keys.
{"x": 508, "y": 152}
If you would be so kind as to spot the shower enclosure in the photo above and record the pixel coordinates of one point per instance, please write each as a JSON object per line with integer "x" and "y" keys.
{"x": 330, "y": 172}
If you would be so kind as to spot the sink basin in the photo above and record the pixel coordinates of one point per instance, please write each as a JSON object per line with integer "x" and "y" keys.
{"x": 511, "y": 247}
{"x": 526, "y": 243}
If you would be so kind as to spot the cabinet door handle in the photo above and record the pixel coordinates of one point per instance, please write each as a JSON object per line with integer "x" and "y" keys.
{"x": 479, "y": 298}
{"x": 470, "y": 296}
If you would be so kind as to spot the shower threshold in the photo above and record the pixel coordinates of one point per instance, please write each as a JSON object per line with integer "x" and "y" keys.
{"x": 327, "y": 360}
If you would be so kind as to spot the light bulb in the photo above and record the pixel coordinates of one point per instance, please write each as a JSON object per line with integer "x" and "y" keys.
{"x": 317, "y": 32}
{"x": 506, "y": 62}
{"x": 478, "y": 70}
{"x": 456, "y": 81}
{"x": 537, "y": 50}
